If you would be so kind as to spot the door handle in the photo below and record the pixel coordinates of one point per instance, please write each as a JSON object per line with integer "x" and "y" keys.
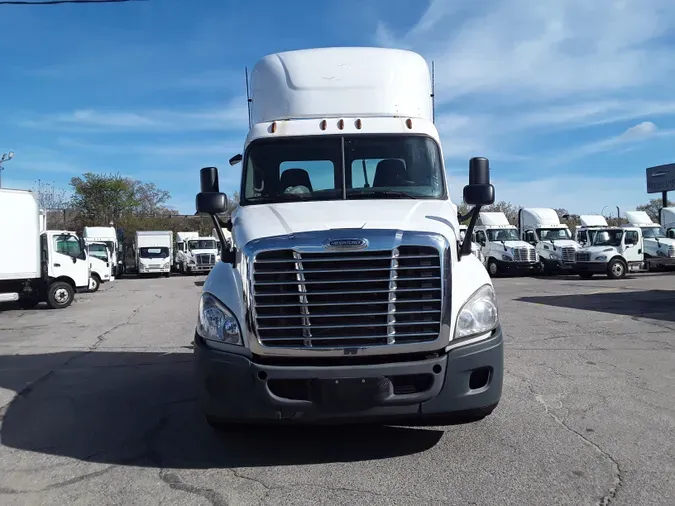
{"x": 57, "y": 265}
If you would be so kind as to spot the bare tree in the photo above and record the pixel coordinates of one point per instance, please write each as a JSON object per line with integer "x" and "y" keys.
{"x": 50, "y": 197}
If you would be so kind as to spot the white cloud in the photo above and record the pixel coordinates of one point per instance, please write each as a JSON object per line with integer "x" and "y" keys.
{"x": 158, "y": 150}
{"x": 234, "y": 116}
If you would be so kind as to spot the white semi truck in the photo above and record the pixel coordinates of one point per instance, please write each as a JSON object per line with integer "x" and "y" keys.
{"x": 659, "y": 250}
{"x": 475, "y": 248}
{"x": 194, "y": 253}
{"x": 154, "y": 250}
{"x": 108, "y": 236}
{"x": 667, "y": 219}
{"x": 552, "y": 240}
{"x": 346, "y": 293}
{"x": 501, "y": 247}
{"x": 590, "y": 224}
{"x": 37, "y": 265}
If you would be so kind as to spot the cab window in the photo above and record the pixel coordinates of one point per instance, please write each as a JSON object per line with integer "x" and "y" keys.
{"x": 67, "y": 245}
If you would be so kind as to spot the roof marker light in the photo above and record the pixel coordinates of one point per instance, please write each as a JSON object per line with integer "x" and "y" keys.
{"x": 323, "y": 125}
{"x": 359, "y": 124}
{"x": 273, "y": 127}
{"x": 408, "y": 123}
{"x": 341, "y": 124}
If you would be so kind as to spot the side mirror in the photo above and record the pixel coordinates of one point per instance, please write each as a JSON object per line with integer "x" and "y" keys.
{"x": 236, "y": 159}
{"x": 210, "y": 200}
{"x": 479, "y": 191}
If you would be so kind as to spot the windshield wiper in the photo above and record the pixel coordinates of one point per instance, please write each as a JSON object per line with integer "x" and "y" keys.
{"x": 385, "y": 194}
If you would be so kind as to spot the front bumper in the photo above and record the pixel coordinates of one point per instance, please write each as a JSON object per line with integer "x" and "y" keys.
{"x": 234, "y": 388}
{"x": 516, "y": 266}
{"x": 558, "y": 264}
{"x": 661, "y": 261}
{"x": 198, "y": 268}
{"x": 594, "y": 267}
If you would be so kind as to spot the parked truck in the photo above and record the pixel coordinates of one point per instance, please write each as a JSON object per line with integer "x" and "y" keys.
{"x": 590, "y": 224}
{"x": 667, "y": 219}
{"x": 552, "y": 240}
{"x": 614, "y": 251}
{"x": 501, "y": 247}
{"x": 108, "y": 236}
{"x": 194, "y": 253}
{"x": 475, "y": 248}
{"x": 659, "y": 250}
{"x": 100, "y": 261}
{"x": 346, "y": 293}
{"x": 154, "y": 250}
{"x": 37, "y": 265}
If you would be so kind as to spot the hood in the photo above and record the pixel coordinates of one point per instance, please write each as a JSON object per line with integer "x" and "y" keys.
{"x": 596, "y": 250}
{"x": 563, "y": 243}
{"x": 665, "y": 241}
{"x": 515, "y": 244}
{"x": 271, "y": 220}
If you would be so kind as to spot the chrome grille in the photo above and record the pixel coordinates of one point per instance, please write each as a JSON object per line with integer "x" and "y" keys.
{"x": 328, "y": 300}
{"x": 583, "y": 256}
{"x": 568, "y": 254}
{"x": 523, "y": 255}
{"x": 205, "y": 259}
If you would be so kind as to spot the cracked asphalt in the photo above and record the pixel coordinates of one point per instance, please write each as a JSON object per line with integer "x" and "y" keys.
{"x": 97, "y": 407}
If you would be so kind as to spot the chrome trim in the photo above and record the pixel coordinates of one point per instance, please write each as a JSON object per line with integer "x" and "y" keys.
{"x": 313, "y": 242}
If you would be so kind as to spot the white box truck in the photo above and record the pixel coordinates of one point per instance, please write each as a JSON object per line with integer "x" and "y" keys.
{"x": 154, "y": 250}
{"x": 37, "y": 265}
{"x": 108, "y": 236}
{"x": 100, "y": 261}
{"x": 346, "y": 293}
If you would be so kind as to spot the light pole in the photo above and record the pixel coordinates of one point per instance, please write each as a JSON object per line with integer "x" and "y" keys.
{"x": 5, "y": 158}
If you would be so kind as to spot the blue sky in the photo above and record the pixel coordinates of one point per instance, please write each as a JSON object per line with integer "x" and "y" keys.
{"x": 569, "y": 99}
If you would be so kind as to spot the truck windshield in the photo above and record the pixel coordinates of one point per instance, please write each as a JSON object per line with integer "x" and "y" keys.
{"x": 502, "y": 234}
{"x": 653, "y": 233}
{"x": 311, "y": 168}
{"x": 608, "y": 238}
{"x": 201, "y": 244}
{"x": 98, "y": 251}
{"x": 553, "y": 234}
{"x": 153, "y": 252}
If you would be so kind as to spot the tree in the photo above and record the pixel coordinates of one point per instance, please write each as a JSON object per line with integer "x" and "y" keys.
{"x": 652, "y": 208}
{"x": 150, "y": 199}
{"x": 232, "y": 203}
{"x": 102, "y": 199}
{"x": 49, "y": 197}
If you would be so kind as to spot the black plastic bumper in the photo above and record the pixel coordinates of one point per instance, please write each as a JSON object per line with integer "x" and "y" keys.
{"x": 233, "y": 388}
{"x": 516, "y": 266}
{"x": 594, "y": 267}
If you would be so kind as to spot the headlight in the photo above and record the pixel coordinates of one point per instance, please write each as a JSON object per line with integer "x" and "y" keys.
{"x": 601, "y": 258}
{"x": 479, "y": 314}
{"x": 506, "y": 258}
{"x": 216, "y": 322}
{"x": 553, "y": 256}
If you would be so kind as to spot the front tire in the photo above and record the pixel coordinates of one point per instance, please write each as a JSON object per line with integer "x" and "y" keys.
{"x": 616, "y": 269}
{"x": 60, "y": 295}
{"x": 493, "y": 267}
{"x": 94, "y": 283}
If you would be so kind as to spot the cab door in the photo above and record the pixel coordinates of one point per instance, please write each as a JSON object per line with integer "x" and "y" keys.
{"x": 68, "y": 258}
{"x": 633, "y": 245}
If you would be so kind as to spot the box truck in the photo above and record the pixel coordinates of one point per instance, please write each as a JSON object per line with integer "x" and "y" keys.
{"x": 346, "y": 292}
{"x": 154, "y": 250}
{"x": 37, "y": 265}
{"x": 108, "y": 236}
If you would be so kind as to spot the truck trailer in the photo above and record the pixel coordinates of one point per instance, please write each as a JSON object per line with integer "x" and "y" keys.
{"x": 346, "y": 292}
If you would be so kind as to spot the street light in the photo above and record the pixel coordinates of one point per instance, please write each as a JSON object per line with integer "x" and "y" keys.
{"x": 5, "y": 158}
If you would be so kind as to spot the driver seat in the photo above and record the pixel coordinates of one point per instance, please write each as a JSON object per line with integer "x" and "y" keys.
{"x": 390, "y": 172}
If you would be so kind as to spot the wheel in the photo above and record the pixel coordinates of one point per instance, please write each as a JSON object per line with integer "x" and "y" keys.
{"x": 544, "y": 270}
{"x": 585, "y": 275}
{"x": 181, "y": 269}
{"x": 94, "y": 283}
{"x": 616, "y": 269}
{"x": 493, "y": 267}
{"x": 167, "y": 274}
{"x": 29, "y": 302}
{"x": 60, "y": 295}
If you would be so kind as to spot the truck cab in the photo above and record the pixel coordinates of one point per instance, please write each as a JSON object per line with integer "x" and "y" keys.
{"x": 590, "y": 224}
{"x": 552, "y": 240}
{"x": 100, "y": 263}
{"x": 475, "y": 248}
{"x": 659, "y": 250}
{"x": 199, "y": 254}
{"x": 346, "y": 292}
{"x": 667, "y": 220}
{"x": 501, "y": 246}
{"x": 108, "y": 236}
{"x": 614, "y": 251}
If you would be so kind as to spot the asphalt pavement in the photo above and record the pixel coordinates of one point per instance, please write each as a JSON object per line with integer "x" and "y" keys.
{"x": 97, "y": 406}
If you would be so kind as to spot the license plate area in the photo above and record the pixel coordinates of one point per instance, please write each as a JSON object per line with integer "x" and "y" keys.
{"x": 349, "y": 394}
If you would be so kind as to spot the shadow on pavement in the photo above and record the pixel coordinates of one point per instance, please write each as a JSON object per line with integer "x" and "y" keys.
{"x": 139, "y": 409}
{"x": 655, "y": 304}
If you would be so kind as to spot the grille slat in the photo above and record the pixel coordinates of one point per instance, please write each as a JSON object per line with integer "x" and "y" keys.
{"x": 583, "y": 257}
{"x": 205, "y": 259}
{"x": 524, "y": 255}
{"x": 329, "y": 300}
{"x": 568, "y": 254}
